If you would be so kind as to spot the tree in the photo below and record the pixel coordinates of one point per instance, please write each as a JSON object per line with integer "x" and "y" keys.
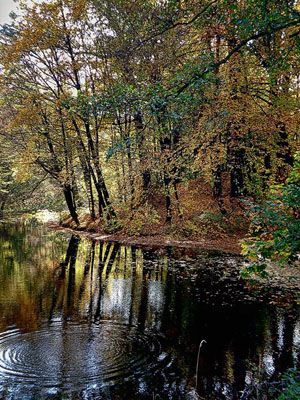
{"x": 46, "y": 68}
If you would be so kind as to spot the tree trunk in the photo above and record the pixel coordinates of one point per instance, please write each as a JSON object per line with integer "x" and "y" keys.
{"x": 284, "y": 153}
{"x": 218, "y": 188}
{"x": 236, "y": 172}
{"x": 177, "y": 200}
{"x": 2, "y": 205}
{"x": 146, "y": 175}
{"x": 70, "y": 202}
{"x": 167, "y": 182}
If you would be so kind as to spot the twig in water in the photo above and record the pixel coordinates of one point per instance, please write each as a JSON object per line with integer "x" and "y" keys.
{"x": 197, "y": 365}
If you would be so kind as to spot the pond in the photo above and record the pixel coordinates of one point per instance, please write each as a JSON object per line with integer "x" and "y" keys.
{"x": 86, "y": 320}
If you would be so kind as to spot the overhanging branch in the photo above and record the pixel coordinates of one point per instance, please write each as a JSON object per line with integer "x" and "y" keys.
{"x": 238, "y": 47}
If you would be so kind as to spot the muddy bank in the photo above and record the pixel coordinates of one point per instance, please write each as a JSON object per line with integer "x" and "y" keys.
{"x": 223, "y": 244}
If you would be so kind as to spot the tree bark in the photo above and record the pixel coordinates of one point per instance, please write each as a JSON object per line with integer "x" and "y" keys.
{"x": 2, "y": 205}
{"x": 70, "y": 202}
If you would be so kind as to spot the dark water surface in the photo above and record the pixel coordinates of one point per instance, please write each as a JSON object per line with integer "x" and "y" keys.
{"x": 80, "y": 320}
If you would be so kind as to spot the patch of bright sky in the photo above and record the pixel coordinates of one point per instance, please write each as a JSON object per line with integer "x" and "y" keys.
{"x": 6, "y": 7}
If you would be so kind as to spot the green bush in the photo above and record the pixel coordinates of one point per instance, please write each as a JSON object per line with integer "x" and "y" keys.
{"x": 275, "y": 227}
{"x": 291, "y": 381}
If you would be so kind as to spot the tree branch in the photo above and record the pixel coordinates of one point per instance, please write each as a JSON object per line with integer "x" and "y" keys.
{"x": 178, "y": 24}
{"x": 239, "y": 46}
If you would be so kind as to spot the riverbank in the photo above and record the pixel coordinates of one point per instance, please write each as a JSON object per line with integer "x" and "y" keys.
{"x": 224, "y": 244}
{"x": 281, "y": 278}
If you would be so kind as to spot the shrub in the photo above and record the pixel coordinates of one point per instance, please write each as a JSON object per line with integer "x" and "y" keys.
{"x": 275, "y": 227}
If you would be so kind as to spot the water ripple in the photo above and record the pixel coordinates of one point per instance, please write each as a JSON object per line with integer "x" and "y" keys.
{"x": 72, "y": 355}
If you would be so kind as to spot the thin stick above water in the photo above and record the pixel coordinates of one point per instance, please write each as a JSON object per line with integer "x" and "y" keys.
{"x": 197, "y": 365}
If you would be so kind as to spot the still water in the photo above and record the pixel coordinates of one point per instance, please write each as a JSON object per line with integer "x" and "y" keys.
{"x": 86, "y": 320}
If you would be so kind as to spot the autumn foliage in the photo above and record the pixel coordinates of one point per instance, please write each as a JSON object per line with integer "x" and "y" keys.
{"x": 151, "y": 114}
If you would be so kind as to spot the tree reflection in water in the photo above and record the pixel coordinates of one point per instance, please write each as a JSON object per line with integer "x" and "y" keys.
{"x": 108, "y": 320}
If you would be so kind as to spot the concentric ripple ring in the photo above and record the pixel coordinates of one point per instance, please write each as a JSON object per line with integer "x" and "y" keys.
{"x": 74, "y": 354}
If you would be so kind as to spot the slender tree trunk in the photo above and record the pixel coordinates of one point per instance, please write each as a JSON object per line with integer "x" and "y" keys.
{"x": 217, "y": 181}
{"x": 93, "y": 164}
{"x": 177, "y": 200}
{"x": 218, "y": 188}
{"x": 235, "y": 152}
{"x": 284, "y": 153}
{"x": 237, "y": 158}
{"x": 167, "y": 182}
{"x": 2, "y": 205}
{"x": 130, "y": 174}
{"x": 70, "y": 202}
{"x": 146, "y": 175}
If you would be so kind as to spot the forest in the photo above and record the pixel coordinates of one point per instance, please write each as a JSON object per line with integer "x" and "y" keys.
{"x": 163, "y": 135}
{"x": 161, "y": 117}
